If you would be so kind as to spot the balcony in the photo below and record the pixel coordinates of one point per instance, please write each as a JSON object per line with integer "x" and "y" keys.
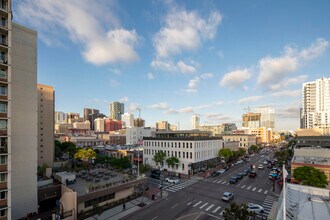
{"x": 3, "y": 185}
{"x": 3, "y": 132}
{"x": 3, "y": 150}
{"x": 4, "y": 25}
{"x": 3, "y": 203}
{"x": 3, "y": 61}
{"x": 4, "y": 8}
{"x": 3, "y": 43}
{"x": 3, "y": 167}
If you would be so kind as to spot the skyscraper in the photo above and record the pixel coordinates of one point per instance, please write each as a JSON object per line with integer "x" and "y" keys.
{"x": 90, "y": 115}
{"x": 116, "y": 110}
{"x": 267, "y": 118}
{"x": 315, "y": 112}
{"x": 128, "y": 120}
{"x": 60, "y": 117}
{"x": 18, "y": 117}
{"x": 195, "y": 120}
{"x": 46, "y": 126}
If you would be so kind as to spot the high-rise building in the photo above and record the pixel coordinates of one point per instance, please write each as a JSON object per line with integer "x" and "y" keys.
{"x": 162, "y": 125}
{"x": 195, "y": 120}
{"x": 315, "y": 111}
{"x": 263, "y": 116}
{"x": 73, "y": 117}
{"x": 113, "y": 125}
{"x": 91, "y": 114}
{"x": 46, "y": 97}
{"x": 18, "y": 117}
{"x": 251, "y": 120}
{"x": 116, "y": 110}
{"x": 99, "y": 125}
{"x": 128, "y": 120}
{"x": 60, "y": 117}
{"x": 139, "y": 122}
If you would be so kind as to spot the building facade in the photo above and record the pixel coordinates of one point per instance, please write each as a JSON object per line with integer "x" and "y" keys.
{"x": 251, "y": 120}
{"x": 73, "y": 117}
{"x": 46, "y": 100}
{"x": 245, "y": 140}
{"x": 62, "y": 128}
{"x": 60, "y": 117}
{"x": 116, "y": 110}
{"x": 135, "y": 135}
{"x": 217, "y": 130}
{"x": 128, "y": 120}
{"x": 265, "y": 134}
{"x": 194, "y": 149}
{"x": 139, "y": 122}
{"x": 112, "y": 125}
{"x": 99, "y": 125}
{"x": 162, "y": 125}
{"x": 82, "y": 125}
{"x": 195, "y": 121}
{"x": 315, "y": 112}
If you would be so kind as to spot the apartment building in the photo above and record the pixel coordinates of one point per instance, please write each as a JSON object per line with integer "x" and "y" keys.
{"x": 162, "y": 125}
{"x": 46, "y": 98}
{"x": 195, "y": 120}
{"x": 116, "y": 110}
{"x": 60, "y": 117}
{"x": 99, "y": 125}
{"x": 217, "y": 130}
{"x": 194, "y": 149}
{"x": 135, "y": 135}
{"x": 128, "y": 120}
{"x": 245, "y": 140}
{"x": 265, "y": 134}
{"x": 74, "y": 117}
{"x": 139, "y": 122}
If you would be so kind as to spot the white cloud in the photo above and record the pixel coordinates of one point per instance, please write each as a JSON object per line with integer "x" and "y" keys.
{"x": 207, "y": 75}
{"x": 186, "y": 110}
{"x": 160, "y": 106}
{"x": 291, "y": 111}
{"x": 184, "y": 68}
{"x": 235, "y": 78}
{"x": 249, "y": 99}
{"x": 192, "y": 86}
{"x": 274, "y": 70}
{"x": 184, "y": 31}
{"x": 84, "y": 26}
{"x": 287, "y": 93}
{"x": 171, "y": 111}
{"x": 284, "y": 84}
{"x": 217, "y": 117}
{"x": 150, "y": 76}
{"x": 124, "y": 99}
{"x": 115, "y": 71}
{"x": 114, "y": 83}
{"x": 133, "y": 107}
{"x": 168, "y": 65}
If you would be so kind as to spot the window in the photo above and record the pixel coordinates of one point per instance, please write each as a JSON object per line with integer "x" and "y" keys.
{"x": 3, "y": 124}
{"x": 3, "y": 212}
{"x": 3, "y": 195}
{"x": 183, "y": 166}
{"x": 2, "y": 159}
{"x": 3, "y": 90}
{"x": 3, "y": 107}
{"x": 3, "y": 74}
{"x": 190, "y": 155}
{"x": 2, "y": 177}
{"x": 190, "y": 145}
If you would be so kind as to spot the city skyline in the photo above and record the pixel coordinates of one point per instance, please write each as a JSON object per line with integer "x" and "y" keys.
{"x": 212, "y": 68}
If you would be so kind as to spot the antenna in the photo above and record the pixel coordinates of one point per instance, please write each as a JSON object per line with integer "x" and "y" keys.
{"x": 139, "y": 112}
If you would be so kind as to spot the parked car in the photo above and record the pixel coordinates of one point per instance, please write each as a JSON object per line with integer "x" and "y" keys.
{"x": 251, "y": 207}
{"x": 233, "y": 180}
{"x": 245, "y": 172}
{"x": 252, "y": 174}
{"x": 155, "y": 176}
{"x": 261, "y": 167}
{"x": 172, "y": 180}
{"x": 214, "y": 174}
{"x": 221, "y": 171}
{"x": 269, "y": 166}
{"x": 227, "y": 196}
{"x": 239, "y": 175}
{"x": 226, "y": 168}
{"x": 265, "y": 162}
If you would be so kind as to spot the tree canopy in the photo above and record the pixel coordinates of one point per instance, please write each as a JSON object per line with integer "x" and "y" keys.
{"x": 253, "y": 148}
{"x": 120, "y": 163}
{"x": 172, "y": 161}
{"x": 310, "y": 176}
{"x": 225, "y": 153}
{"x": 159, "y": 157}
{"x": 236, "y": 211}
{"x": 85, "y": 154}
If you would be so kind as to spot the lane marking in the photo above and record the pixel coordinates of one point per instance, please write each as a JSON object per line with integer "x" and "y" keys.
{"x": 209, "y": 207}
{"x": 203, "y": 206}
{"x": 221, "y": 213}
{"x": 154, "y": 218}
{"x": 227, "y": 184}
{"x": 243, "y": 186}
{"x": 219, "y": 181}
{"x": 254, "y": 188}
{"x": 197, "y": 203}
{"x": 223, "y": 182}
{"x": 215, "y": 210}
{"x": 259, "y": 190}
{"x": 266, "y": 192}
{"x": 213, "y": 216}
{"x": 214, "y": 181}
{"x": 174, "y": 206}
{"x": 191, "y": 202}
{"x": 248, "y": 187}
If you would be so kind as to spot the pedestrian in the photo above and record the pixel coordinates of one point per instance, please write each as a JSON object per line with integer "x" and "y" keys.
{"x": 124, "y": 207}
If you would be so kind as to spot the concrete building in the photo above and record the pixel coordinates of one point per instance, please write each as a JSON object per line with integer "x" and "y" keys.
{"x": 135, "y": 135}
{"x": 128, "y": 120}
{"x": 266, "y": 134}
{"x": 116, "y": 110}
{"x": 62, "y": 128}
{"x": 217, "y": 130}
{"x": 315, "y": 112}
{"x": 162, "y": 125}
{"x": 90, "y": 115}
{"x": 309, "y": 132}
{"x": 139, "y": 122}
{"x": 46, "y": 100}
{"x": 173, "y": 127}
{"x": 19, "y": 126}
{"x": 245, "y": 140}
{"x": 194, "y": 149}
{"x": 73, "y": 117}
{"x": 99, "y": 125}
{"x": 60, "y": 117}
{"x": 113, "y": 125}
{"x": 313, "y": 141}
{"x": 195, "y": 120}
{"x": 82, "y": 125}
{"x": 267, "y": 118}
{"x": 86, "y": 141}
{"x": 251, "y": 120}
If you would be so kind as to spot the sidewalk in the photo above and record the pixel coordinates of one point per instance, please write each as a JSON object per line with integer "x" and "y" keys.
{"x": 131, "y": 206}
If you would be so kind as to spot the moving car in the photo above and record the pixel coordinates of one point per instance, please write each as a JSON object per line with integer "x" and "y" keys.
{"x": 172, "y": 180}
{"x": 273, "y": 175}
{"x": 261, "y": 167}
{"x": 227, "y": 196}
{"x": 233, "y": 180}
{"x": 255, "y": 208}
{"x": 252, "y": 174}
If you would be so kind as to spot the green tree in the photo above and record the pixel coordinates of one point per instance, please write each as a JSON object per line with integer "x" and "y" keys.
{"x": 236, "y": 211}
{"x": 253, "y": 148}
{"x": 225, "y": 153}
{"x": 85, "y": 154}
{"x": 144, "y": 168}
{"x": 120, "y": 163}
{"x": 159, "y": 157}
{"x": 310, "y": 176}
{"x": 104, "y": 159}
{"x": 172, "y": 161}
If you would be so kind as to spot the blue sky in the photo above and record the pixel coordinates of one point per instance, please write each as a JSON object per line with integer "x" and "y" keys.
{"x": 174, "y": 59}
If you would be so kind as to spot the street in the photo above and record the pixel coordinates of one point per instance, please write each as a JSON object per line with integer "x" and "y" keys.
{"x": 192, "y": 199}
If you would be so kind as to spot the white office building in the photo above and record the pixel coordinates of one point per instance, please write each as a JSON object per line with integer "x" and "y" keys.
{"x": 99, "y": 125}
{"x": 195, "y": 121}
{"x": 194, "y": 149}
{"x": 315, "y": 112}
{"x": 128, "y": 120}
{"x": 267, "y": 118}
{"x": 135, "y": 135}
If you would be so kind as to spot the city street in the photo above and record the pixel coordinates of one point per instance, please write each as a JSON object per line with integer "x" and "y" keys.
{"x": 202, "y": 199}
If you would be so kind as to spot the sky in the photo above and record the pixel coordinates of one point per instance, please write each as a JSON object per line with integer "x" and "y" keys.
{"x": 174, "y": 59}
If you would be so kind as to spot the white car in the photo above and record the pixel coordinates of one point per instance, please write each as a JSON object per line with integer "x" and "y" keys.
{"x": 261, "y": 167}
{"x": 172, "y": 180}
{"x": 227, "y": 196}
{"x": 265, "y": 162}
{"x": 255, "y": 208}
{"x": 221, "y": 171}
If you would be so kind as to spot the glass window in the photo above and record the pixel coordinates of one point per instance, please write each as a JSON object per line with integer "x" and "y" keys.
{"x": 3, "y": 124}
{"x": 3, "y": 107}
{"x": 3, "y": 74}
{"x": 2, "y": 177}
{"x": 2, "y": 159}
{"x": 3, "y": 90}
{"x": 2, "y": 195}
{"x": 3, "y": 212}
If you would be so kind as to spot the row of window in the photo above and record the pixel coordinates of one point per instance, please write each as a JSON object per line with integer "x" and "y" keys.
{"x": 99, "y": 200}
{"x": 168, "y": 144}
{"x": 178, "y": 154}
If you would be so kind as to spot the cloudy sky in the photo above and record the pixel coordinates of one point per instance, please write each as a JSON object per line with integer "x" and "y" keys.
{"x": 174, "y": 59}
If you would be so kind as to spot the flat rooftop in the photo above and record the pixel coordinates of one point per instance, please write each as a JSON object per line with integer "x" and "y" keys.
{"x": 311, "y": 160}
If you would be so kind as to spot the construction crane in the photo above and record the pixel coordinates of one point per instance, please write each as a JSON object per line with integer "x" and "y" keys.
{"x": 139, "y": 112}
{"x": 248, "y": 111}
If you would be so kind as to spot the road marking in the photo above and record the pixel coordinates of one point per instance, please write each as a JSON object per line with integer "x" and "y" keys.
{"x": 266, "y": 192}
{"x": 223, "y": 182}
{"x": 154, "y": 218}
{"x": 243, "y": 186}
{"x": 214, "y": 181}
{"x": 209, "y": 207}
{"x": 174, "y": 206}
{"x": 213, "y": 216}
{"x": 203, "y": 205}
{"x": 259, "y": 190}
{"x": 219, "y": 181}
{"x": 254, "y": 188}
{"x": 227, "y": 184}
{"x": 191, "y": 202}
{"x": 215, "y": 210}
{"x": 197, "y": 203}
{"x": 221, "y": 213}
{"x": 248, "y": 187}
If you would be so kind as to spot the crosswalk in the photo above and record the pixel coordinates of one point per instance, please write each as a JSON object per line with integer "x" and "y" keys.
{"x": 181, "y": 185}
{"x": 246, "y": 187}
{"x": 207, "y": 207}
{"x": 268, "y": 203}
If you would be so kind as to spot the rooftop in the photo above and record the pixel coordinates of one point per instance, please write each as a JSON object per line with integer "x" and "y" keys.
{"x": 311, "y": 160}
